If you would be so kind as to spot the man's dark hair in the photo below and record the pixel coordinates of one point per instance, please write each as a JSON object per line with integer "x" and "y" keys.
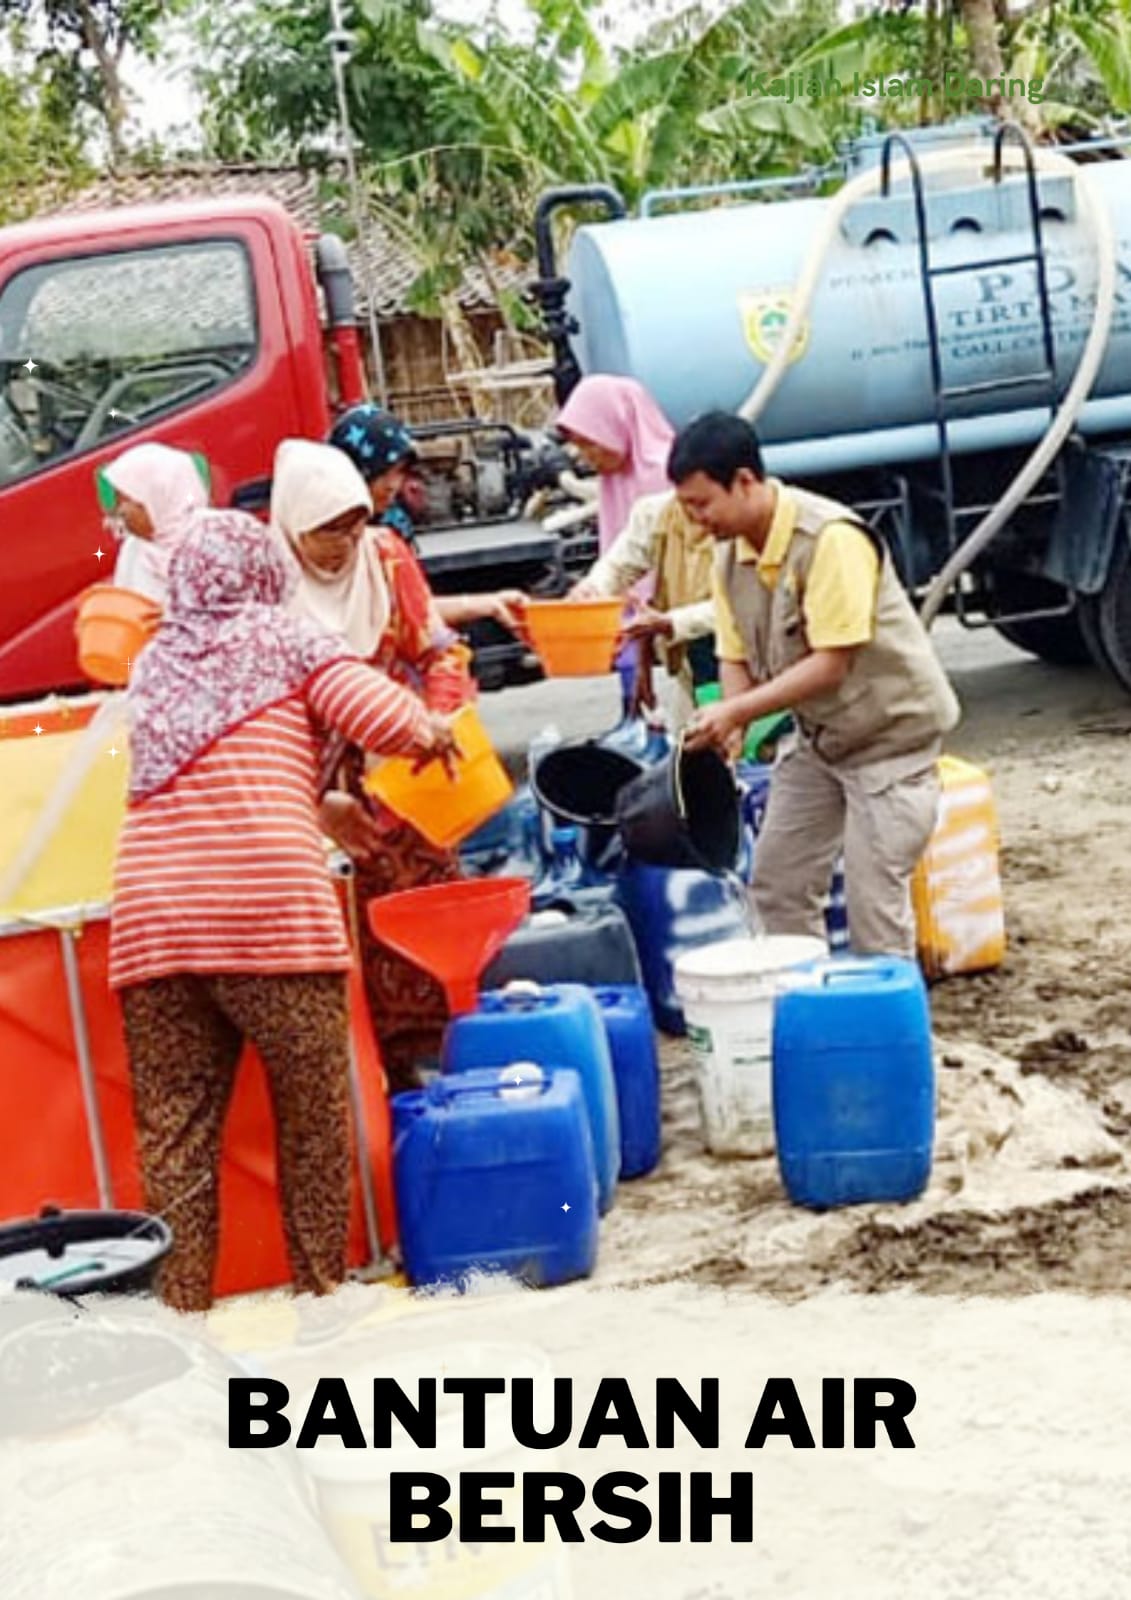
{"x": 717, "y": 444}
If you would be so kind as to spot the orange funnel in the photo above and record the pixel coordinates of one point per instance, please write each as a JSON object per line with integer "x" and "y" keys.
{"x": 452, "y": 930}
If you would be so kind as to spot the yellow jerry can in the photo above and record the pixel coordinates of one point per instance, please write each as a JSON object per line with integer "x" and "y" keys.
{"x": 956, "y": 887}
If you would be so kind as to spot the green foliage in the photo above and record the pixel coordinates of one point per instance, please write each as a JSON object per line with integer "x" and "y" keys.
{"x": 1103, "y": 36}
{"x": 84, "y": 42}
{"x": 39, "y": 142}
{"x": 458, "y": 126}
{"x": 268, "y": 83}
{"x": 118, "y": 22}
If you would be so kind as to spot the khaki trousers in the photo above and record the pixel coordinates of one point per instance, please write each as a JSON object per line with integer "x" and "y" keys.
{"x": 881, "y": 815}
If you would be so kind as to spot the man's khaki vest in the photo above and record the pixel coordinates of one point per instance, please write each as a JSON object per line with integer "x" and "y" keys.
{"x": 895, "y": 699}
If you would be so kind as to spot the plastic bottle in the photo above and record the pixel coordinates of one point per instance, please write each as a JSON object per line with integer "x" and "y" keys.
{"x": 658, "y": 744}
{"x": 527, "y": 857}
{"x": 532, "y": 845}
{"x": 566, "y": 870}
{"x": 568, "y": 881}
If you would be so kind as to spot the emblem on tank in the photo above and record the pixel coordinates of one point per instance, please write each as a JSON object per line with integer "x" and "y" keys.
{"x": 764, "y": 317}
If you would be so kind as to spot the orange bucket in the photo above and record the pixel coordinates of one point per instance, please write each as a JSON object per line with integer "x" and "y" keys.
{"x": 112, "y": 628}
{"x": 446, "y": 809}
{"x": 574, "y": 638}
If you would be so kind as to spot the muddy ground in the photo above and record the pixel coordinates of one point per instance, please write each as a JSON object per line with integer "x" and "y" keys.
{"x": 1032, "y": 1181}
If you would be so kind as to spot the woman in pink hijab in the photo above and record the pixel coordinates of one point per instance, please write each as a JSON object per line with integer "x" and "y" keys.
{"x": 624, "y": 436}
{"x": 158, "y": 494}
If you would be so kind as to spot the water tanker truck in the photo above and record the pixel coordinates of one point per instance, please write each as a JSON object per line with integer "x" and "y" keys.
{"x": 943, "y": 342}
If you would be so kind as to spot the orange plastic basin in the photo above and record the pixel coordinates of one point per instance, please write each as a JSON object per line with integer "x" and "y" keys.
{"x": 446, "y": 809}
{"x": 574, "y": 638}
{"x": 113, "y": 627}
{"x": 452, "y": 930}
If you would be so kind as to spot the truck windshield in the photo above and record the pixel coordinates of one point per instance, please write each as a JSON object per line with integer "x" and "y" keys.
{"x": 94, "y": 346}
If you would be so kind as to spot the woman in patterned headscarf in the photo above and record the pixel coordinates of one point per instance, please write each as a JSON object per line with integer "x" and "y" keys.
{"x": 383, "y": 451}
{"x": 225, "y": 925}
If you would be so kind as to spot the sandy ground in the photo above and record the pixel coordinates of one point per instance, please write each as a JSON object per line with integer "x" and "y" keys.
{"x": 1032, "y": 1181}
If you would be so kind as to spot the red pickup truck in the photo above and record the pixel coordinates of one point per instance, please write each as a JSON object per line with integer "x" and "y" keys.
{"x": 197, "y": 324}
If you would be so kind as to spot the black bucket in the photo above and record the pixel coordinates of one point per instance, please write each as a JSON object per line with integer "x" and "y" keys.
{"x": 684, "y": 812}
{"x": 579, "y": 784}
{"x": 84, "y": 1252}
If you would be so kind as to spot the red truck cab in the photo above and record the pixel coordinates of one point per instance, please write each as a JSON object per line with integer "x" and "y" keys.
{"x": 194, "y": 324}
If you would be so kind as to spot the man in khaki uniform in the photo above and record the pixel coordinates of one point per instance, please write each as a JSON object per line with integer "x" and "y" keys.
{"x": 811, "y": 617}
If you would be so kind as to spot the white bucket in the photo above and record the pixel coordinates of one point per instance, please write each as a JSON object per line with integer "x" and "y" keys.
{"x": 727, "y": 992}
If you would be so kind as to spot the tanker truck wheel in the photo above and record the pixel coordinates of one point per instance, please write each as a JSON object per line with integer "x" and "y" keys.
{"x": 1059, "y": 640}
{"x": 1107, "y": 618}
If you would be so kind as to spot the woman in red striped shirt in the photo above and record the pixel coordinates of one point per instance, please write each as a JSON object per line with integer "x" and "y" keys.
{"x": 225, "y": 926}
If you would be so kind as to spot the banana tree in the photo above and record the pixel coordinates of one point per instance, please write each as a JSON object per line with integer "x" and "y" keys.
{"x": 1091, "y": 44}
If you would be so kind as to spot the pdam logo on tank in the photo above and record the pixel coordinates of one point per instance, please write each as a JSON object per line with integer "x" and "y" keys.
{"x": 764, "y": 319}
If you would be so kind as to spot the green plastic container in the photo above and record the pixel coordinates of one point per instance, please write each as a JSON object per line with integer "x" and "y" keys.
{"x": 760, "y": 735}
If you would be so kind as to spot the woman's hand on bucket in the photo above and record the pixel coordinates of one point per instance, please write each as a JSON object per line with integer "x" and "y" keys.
{"x": 442, "y": 744}
{"x": 350, "y": 824}
{"x": 645, "y": 622}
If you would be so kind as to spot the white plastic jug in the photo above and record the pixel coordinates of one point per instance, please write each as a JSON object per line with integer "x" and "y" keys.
{"x": 727, "y": 992}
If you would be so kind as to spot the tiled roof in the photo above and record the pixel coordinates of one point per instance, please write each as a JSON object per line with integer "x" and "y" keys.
{"x": 386, "y": 269}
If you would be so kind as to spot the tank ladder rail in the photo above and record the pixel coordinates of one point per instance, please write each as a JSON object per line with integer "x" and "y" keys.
{"x": 942, "y": 392}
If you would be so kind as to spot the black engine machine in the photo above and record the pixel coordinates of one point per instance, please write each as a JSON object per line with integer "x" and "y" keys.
{"x": 485, "y": 499}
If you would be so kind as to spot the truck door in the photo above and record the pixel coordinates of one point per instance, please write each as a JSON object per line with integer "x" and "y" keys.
{"x": 162, "y": 330}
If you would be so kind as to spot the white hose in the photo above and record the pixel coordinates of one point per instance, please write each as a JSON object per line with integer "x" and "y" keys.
{"x": 1095, "y": 212}
{"x": 568, "y": 517}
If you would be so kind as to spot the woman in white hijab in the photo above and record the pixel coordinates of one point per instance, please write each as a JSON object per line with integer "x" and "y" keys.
{"x": 364, "y": 582}
{"x": 157, "y": 494}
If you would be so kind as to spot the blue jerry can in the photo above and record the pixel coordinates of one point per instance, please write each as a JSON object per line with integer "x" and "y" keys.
{"x": 670, "y": 912}
{"x": 853, "y": 1083}
{"x": 558, "y": 1025}
{"x": 754, "y": 784}
{"x": 494, "y": 1172}
{"x": 636, "y": 1068}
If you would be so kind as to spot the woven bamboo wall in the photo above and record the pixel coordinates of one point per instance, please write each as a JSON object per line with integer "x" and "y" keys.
{"x": 419, "y": 358}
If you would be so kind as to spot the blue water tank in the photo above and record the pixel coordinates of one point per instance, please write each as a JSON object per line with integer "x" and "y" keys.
{"x": 636, "y": 1068}
{"x": 556, "y": 1025}
{"x": 858, "y": 390}
{"x": 671, "y": 911}
{"x": 853, "y": 1083}
{"x": 493, "y": 1177}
